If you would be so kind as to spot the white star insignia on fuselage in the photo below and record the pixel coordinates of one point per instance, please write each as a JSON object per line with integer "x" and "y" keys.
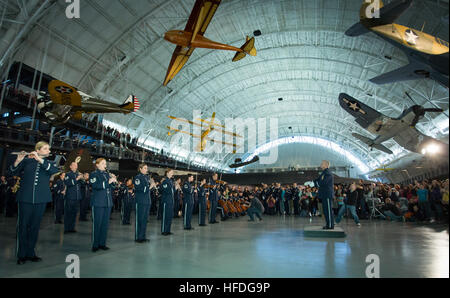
{"x": 411, "y": 37}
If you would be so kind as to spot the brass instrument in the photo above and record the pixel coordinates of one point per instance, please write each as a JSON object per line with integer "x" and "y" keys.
{"x": 16, "y": 186}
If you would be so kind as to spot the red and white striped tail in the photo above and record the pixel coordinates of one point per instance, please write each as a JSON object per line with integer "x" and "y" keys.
{"x": 136, "y": 103}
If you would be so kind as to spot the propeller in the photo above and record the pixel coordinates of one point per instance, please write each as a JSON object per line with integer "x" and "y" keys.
{"x": 420, "y": 112}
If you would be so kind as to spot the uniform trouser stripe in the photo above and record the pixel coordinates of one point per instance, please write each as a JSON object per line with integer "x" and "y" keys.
{"x": 93, "y": 226}
{"x": 136, "y": 223}
{"x": 185, "y": 215}
{"x": 164, "y": 217}
{"x": 17, "y": 230}
{"x": 329, "y": 214}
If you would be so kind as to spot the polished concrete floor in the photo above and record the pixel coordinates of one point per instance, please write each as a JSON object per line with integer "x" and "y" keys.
{"x": 236, "y": 248}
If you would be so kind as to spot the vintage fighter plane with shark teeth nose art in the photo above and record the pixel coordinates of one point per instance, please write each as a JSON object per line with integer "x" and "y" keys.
{"x": 427, "y": 55}
{"x": 192, "y": 37}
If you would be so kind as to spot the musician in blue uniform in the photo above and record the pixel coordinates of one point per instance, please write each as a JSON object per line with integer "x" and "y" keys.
{"x": 33, "y": 195}
{"x": 188, "y": 203}
{"x": 201, "y": 203}
{"x": 85, "y": 194}
{"x": 177, "y": 198}
{"x": 214, "y": 199}
{"x": 102, "y": 184}
{"x": 167, "y": 190}
{"x": 127, "y": 197}
{"x": 325, "y": 183}
{"x": 142, "y": 187}
{"x": 59, "y": 190}
{"x": 72, "y": 198}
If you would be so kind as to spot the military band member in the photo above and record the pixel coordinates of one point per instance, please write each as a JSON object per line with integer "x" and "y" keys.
{"x": 213, "y": 198}
{"x": 201, "y": 203}
{"x": 72, "y": 198}
{"x": 102, "y": 184}
{"x": 32, "y": 197}
{"x": 188, "y": 203}
{"x": 85, "y": 194}
{"x": 325, "y": 184}
{"x": 177, "y": 199}
{"x": 60, "y": 190}
{"x": 142, "y": 188}
{"x": 127, "y": 195}
{"x": 167, "y": 192}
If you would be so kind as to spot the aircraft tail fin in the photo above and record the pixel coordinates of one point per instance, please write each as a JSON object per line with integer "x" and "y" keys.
{"x": 375, "y": 13}
{"x": 247, "y": 49}
{"x": 371, "y": 143}
{"x": 131, "y": 103}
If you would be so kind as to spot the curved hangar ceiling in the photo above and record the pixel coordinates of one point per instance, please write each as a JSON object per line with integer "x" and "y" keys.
{"x": 117, "y": 48}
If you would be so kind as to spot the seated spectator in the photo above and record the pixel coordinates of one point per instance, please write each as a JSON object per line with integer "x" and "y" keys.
{"x": 392, "y": 211}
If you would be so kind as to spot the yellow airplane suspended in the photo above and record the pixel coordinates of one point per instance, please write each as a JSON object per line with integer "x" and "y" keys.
{"x": 192, "y": 37}
{"x": 63, "y": 102}
{"x": 384, "y": 169}
{"x": 428, "y": 55}
{"x": 204, "y": 136}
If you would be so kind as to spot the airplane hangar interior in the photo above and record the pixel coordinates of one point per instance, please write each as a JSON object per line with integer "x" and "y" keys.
{"x": 215, "y": 139}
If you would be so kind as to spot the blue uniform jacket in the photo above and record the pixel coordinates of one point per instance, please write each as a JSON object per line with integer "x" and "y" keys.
{"x": 167, "y": 191}
{"x": 85, "y": 189}
{"x": 101, "y": 195}
{"x": 213, "y": 193}
{"x": 58, "y": 188}
{"x": 187, "y": 192}
{"x": 73, "y": 191}
{"x": 325, "y": 183}
{"x": 201, "y": 192}
{"x": 35, "y": 180}
{"x": 142, "y": 189}
{"x": 127, "y": 197}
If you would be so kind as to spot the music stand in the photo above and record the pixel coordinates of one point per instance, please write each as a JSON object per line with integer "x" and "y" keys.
{"x": 374, "y": 210}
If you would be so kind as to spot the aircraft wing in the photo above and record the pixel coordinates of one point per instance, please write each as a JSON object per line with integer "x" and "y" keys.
{"x": 440, "y": 78}
{"x": 412, "y": 71}
{"x": 413, "y": 140}
{"x": 371, "y": 143}
{"x": 364, "y": 114}
{"x": 64, "y": 94}
{"x": 218, "y": 141}
{"x": 185, "y": 132}
{"x": 179, "y": 58}
{"x": 201, "y": 16}
{"x": 198, "y": 22}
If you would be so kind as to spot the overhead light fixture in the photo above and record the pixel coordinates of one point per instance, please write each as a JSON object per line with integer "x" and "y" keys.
{"x": 430, "y": 149}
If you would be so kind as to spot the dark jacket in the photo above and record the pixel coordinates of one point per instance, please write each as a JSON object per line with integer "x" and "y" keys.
{"x": 352, "y": 198}
{"x": 187, "y": 193}
{"x": 73, "y": 185}
{"x": 142, "y": 189}
{"x": 325, "y": 183}
{"x": 35, "y": 182}
{"x": 167, "y": 191}
{"x": 101, "y": 189}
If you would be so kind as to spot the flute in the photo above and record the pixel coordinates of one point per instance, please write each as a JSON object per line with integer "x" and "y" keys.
{"x": 28, "y": 153}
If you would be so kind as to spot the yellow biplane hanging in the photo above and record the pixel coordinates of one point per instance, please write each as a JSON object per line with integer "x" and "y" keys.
{"x": 209, "y": 126}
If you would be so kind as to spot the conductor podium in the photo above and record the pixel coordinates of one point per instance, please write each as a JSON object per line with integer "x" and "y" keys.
{"x": 318, "y": 232}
